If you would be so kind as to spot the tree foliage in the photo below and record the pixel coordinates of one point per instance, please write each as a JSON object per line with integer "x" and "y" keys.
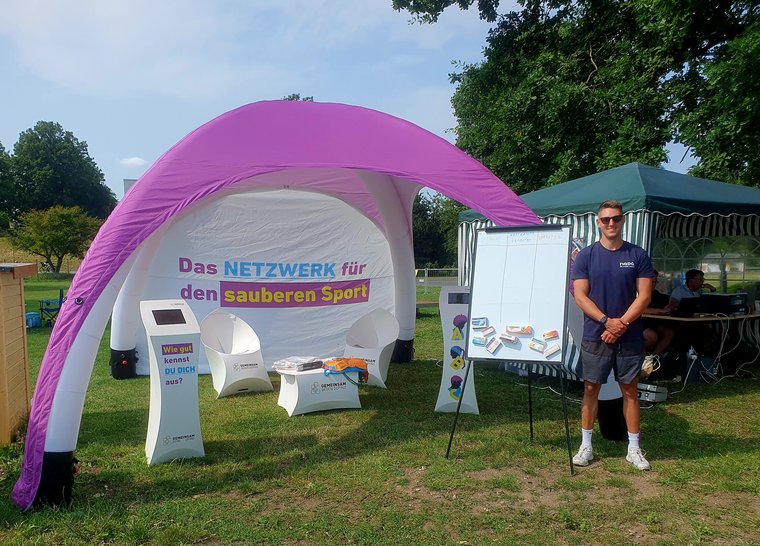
{"x": 724, "y": 130}
{"x": 435, "y": 220}
{"x": 429, "y": 10}
{"x": 297, "y": 97}
{"x": 54, "y": 234}
{"x": 50, "y": 166}
{"x": 569, "y": 88}
{"x": 6, "y": 188}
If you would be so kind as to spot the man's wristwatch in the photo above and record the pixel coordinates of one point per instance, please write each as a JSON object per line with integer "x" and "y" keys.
{"x": 603, "y": 320}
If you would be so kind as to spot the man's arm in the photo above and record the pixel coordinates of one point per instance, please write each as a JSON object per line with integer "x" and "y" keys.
{"x": 581, "y": 289}
{"x": 643, "y": 297}
{"x": 614, "y": 328}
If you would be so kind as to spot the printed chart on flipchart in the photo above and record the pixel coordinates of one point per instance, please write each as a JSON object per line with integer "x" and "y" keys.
{"x": 519, "y": 294}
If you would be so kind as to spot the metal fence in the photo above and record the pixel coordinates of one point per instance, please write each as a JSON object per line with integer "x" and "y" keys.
{"x": 427, "y": 278}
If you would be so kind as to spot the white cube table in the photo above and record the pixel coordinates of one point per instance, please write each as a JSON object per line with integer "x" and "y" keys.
{"x": 312, "y": 390}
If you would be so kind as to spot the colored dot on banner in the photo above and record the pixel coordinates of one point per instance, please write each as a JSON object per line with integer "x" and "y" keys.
{"x": 460, "y": 321}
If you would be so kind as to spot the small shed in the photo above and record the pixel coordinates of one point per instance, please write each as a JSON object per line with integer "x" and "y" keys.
{"x": 14, "y": 365}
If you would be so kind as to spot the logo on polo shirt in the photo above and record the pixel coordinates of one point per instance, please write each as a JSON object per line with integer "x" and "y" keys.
{"x": 627, "y": 264}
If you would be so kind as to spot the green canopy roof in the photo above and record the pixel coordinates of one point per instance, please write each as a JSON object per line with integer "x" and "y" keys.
{"x": 639, "y": 187}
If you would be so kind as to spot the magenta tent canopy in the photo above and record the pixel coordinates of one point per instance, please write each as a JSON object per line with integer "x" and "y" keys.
{"x": 368, "y": 159}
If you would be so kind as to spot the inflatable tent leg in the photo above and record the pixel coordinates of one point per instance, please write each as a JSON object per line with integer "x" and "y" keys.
{"x": 123, "y": 363}
{"x": 125, "y": 319}
{"x": 57, "y": 480}
{"x": 403, "y": 351}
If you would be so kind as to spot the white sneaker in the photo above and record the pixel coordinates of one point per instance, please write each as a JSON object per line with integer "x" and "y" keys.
{"x": 636, "y": 457}
{"x": 651, "y": 364}
{"x": 584, "y": 456}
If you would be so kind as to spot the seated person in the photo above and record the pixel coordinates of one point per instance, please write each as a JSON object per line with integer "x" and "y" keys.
{"x": 698, "y": 336}
{"x": 695, "y": 284}
{"x": 657, "y": 336}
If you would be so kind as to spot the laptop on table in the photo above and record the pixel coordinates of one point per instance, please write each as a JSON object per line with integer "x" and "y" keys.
{"x": 687, "y": 307}
{"x": 713, "y": 304}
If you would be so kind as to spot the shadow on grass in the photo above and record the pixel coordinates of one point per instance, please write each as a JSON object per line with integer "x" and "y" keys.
{"x": 279, "y": 447}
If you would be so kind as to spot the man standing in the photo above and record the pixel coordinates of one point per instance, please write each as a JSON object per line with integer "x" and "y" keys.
{"x": 612, "y": 285}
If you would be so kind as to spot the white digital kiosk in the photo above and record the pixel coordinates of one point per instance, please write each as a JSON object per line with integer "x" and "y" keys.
{"x": 174, "y": 429}
{"x": 453, "y": 305}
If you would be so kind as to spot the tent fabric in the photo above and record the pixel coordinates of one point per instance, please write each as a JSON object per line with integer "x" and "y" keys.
{"x": 638, "y": 228}
{"x": 733, "y": 225}
{"x": 658, "y": 204}
{"x": 640, "y": 187}
{"x": 264, "y": 138}
{"x": 291, "y": 226}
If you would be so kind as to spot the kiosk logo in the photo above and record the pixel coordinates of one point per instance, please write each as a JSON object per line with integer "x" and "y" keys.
{"x": 318, "y": 387}
{"x": 244, "y": 366}
{"x": 175, "y": 439}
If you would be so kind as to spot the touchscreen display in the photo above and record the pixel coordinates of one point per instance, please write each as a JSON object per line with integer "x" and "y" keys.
{"x": 459, "y": 297}
{"x": 168, "y": 316}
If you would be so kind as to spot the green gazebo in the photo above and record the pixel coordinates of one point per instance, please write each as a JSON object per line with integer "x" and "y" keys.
{"x": 659, "y": 204}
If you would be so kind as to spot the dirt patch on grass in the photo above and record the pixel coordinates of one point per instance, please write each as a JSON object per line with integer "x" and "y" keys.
{"x": 415, "y": 492}
{"x": 602, "y": 493}
{"x": 278, "y": 501}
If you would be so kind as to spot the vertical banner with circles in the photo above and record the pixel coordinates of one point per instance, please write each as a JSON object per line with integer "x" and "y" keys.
{"x": 453, "y": 304}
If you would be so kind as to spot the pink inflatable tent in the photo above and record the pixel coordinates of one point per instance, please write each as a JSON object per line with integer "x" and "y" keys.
{"x": 374, "y": 162}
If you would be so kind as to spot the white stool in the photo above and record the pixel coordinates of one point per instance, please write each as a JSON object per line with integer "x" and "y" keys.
{"x": 312, "y": 390}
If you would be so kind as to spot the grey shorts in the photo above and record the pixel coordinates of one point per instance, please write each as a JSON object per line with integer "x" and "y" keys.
{"x": 599, "y": 358}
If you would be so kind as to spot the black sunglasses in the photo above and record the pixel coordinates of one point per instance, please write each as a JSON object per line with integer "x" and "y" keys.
{"x": 614, "y": 219}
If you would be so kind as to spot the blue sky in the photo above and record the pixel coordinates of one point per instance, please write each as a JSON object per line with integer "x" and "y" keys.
{"x": 132, "y": 78}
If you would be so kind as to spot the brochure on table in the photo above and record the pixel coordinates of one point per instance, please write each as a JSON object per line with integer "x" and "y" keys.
{"x": 453, "y": 304}
{"x": 174, "y": 429}
{"x": 519, "y": 294}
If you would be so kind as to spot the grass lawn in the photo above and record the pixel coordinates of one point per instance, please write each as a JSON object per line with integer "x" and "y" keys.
{"x": 378, "y": 475}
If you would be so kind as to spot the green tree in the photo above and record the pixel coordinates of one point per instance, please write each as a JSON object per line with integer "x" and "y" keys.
{"x": 54, "y": 234}
{"x": 724, "y": 128}
{"x": 435, "y": 220}
{"x": 424, "y": 232}
{"x": 562, "y": 94}
{"x": 50, "y": 166}
{"x": 568, "y": 88}
{"x": 297, "y": 96}
{"x": 6, "y": 188}
{"x": 429, "y": 10}
{"x": 445, "y": 216}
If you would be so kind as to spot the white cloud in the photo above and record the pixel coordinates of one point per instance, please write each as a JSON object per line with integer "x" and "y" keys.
{"x": 133, "y": 162}
{"x": 193, "y": 49}
{"x": 177, "y": 48}
{"x": 138, "y": 75}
